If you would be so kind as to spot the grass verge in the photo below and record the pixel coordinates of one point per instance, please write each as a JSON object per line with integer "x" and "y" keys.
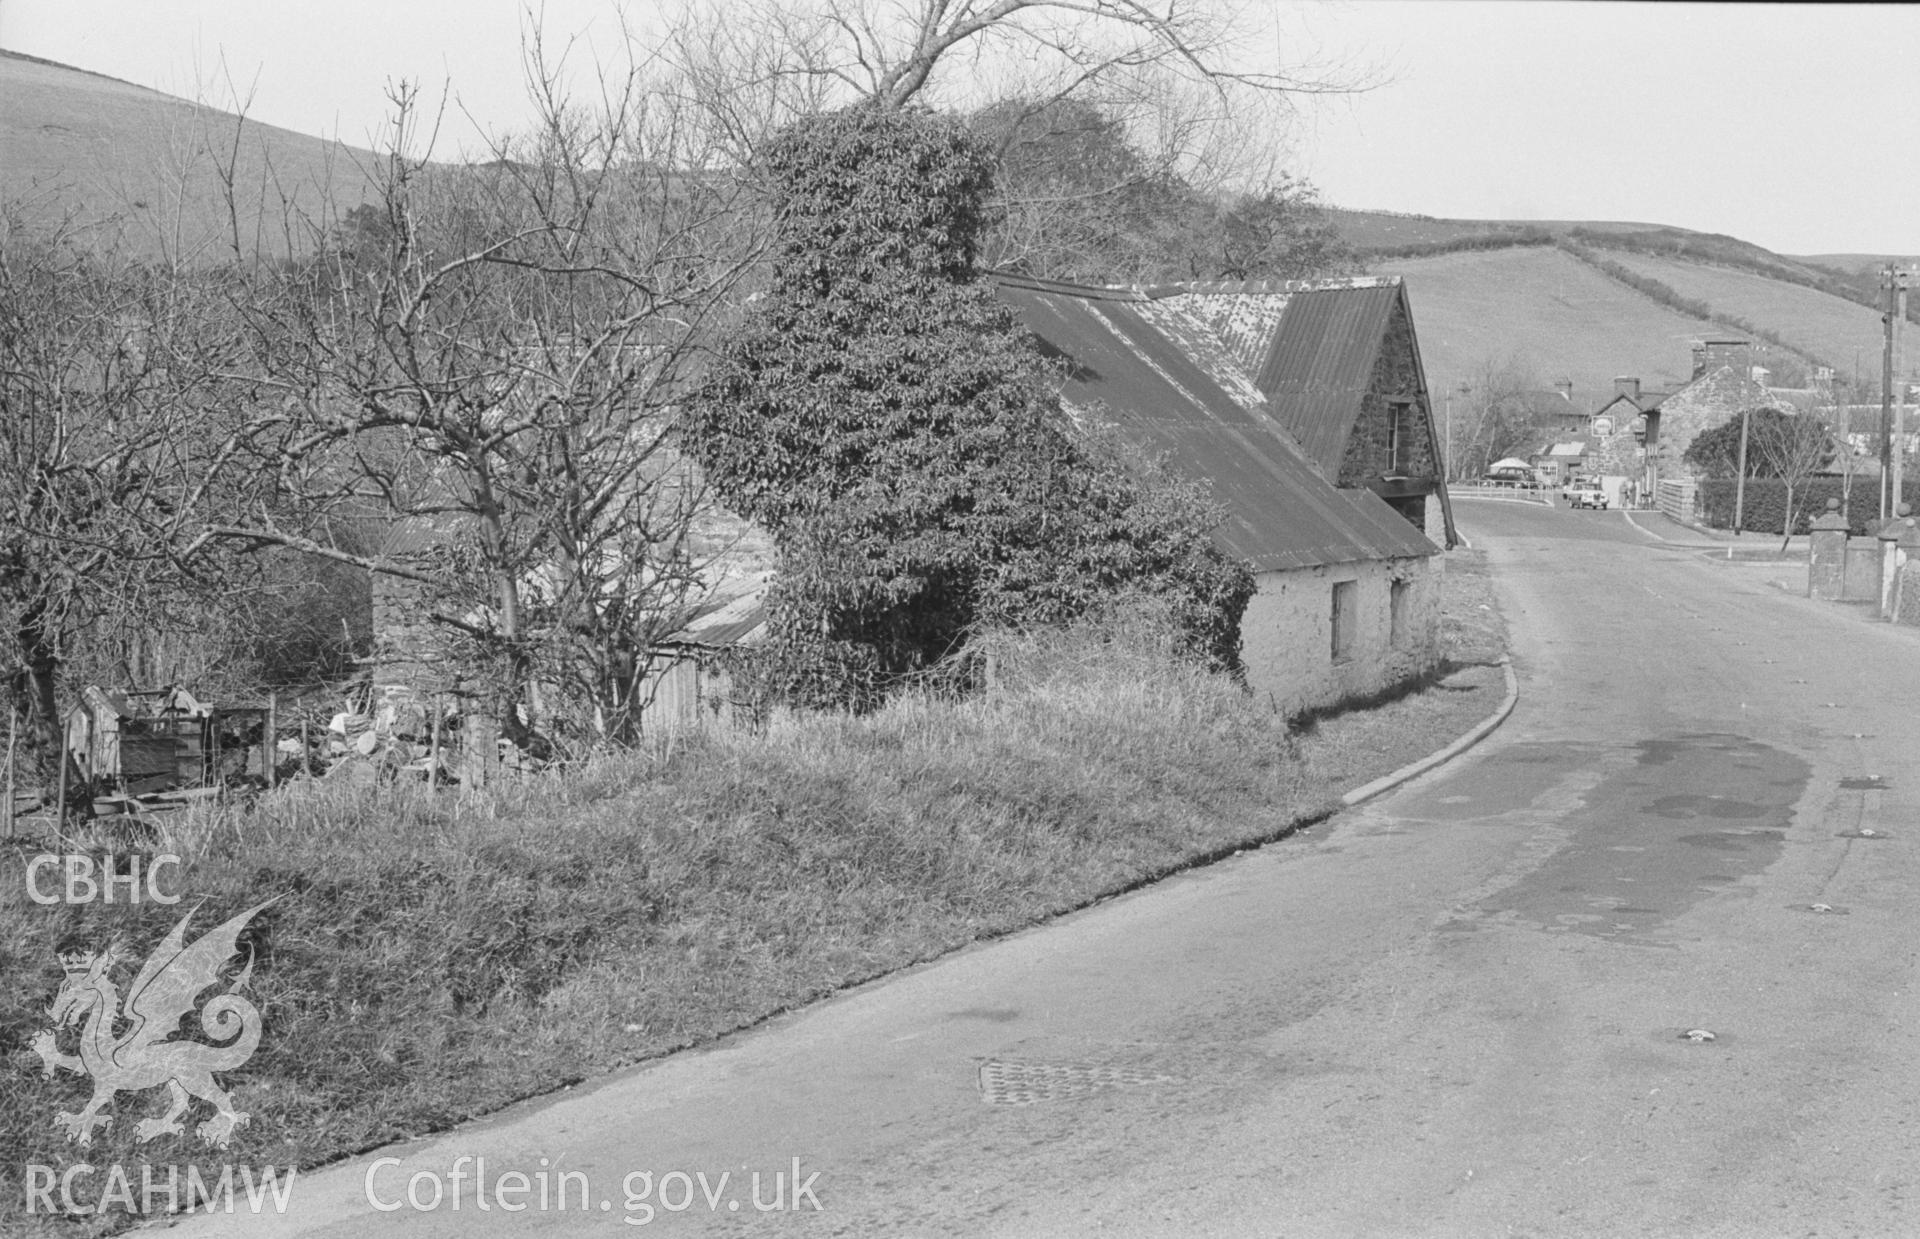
{"x": 428, "y": 960}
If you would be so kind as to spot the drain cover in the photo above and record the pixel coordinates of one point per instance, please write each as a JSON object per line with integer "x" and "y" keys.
{"x": 1022, "y": 1082}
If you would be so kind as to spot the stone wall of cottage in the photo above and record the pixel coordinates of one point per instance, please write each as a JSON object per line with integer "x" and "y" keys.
{"x": 1396, "y": 377}
{"x": 1287, "y": 632}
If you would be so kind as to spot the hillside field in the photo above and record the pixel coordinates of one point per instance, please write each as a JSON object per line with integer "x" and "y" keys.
{"x": 1840, "y": 333}
{"x": 1384, "y": 230}
{"x": 1548, "y": 310}
{"x": 144, "y": 165}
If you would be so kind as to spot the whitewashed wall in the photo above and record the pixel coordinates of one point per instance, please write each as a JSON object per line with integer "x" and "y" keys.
{"x": 1287, "y": 632}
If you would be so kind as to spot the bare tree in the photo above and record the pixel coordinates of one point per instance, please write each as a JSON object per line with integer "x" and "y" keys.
{"x": 892, "y": 55}
{"x": 1196, "y": 84}
{"x": 1495, "y": 416}
{"x": 1792, "y": 446}
{"x": 121, "y": 433}
{"x": 495, "y": 353}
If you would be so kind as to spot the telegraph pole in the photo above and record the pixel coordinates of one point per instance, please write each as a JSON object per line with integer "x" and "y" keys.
{"x": 1899, "y": 367}
{"x": 1886, "y": 394}
{"x": 1740, "y": 486}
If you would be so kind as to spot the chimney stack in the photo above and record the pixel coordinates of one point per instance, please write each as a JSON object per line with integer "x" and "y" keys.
{"x": 1628, "y": 387}
{"x": 1710, "y": 355}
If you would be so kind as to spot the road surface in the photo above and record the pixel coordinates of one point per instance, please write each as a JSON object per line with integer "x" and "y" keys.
{"x": 1462, "y": 1009}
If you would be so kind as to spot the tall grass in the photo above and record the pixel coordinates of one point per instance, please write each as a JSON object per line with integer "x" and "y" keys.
{"x": 426, "y": 959}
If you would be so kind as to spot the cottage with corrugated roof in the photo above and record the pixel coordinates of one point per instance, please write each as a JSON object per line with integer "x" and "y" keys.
{"x": 1319, "y": 446}
{"x": 1338, "y": 364}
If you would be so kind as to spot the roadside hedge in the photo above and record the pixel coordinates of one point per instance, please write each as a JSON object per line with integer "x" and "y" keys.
{"x": 1765, "y": 508}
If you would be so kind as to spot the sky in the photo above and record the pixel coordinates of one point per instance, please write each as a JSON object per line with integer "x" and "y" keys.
{"x": 1786, "y": 125}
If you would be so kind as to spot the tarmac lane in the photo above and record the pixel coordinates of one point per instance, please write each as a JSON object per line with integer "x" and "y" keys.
{"x": 1639, "y": 964}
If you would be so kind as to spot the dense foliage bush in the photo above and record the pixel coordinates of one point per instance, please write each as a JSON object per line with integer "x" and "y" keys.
{"x": 1715, "y": 453}
{"x": 886, "y": 419}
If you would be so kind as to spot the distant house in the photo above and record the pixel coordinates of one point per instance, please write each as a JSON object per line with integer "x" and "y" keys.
{"x": 1640, "y": 438}
{"x": 1723, "y": 386}
{"x": 1613, "y": 442}
{"x": 1559, "y": 459}
{"x": 1348, "y": 597}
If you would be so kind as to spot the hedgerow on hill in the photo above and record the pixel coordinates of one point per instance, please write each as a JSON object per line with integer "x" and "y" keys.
{"x": 890, "y": 424}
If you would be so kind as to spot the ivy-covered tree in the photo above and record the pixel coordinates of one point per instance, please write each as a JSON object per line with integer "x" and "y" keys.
{"x": 888, "y": 421}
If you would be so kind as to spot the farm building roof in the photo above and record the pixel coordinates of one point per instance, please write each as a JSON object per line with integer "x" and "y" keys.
{"x": 1310, "y": 345}
{"x": 731, "y": 615}
{"x": 1169, "y": 385}
{"x": 1646, "y": 402}
{"x": 423, "y": 535}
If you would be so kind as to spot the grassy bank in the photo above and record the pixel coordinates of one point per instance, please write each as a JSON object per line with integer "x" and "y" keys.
{"x": 427, "y": 960}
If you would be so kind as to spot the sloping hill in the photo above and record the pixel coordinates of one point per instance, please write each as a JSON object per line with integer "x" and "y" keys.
{"x": 1540, "y": 306}
{"x": 147, "y": 168}
{"x": 1374, "y": 231}
{"x": 1500, "y": 289}
{"x": 1853, "y": 264}
{"x": 1840, "y": 333}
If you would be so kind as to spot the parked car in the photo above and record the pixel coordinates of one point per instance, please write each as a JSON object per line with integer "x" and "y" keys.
{"x": 1586, "y": 493}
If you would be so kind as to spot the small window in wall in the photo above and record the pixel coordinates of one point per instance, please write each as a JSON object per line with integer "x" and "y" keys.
{"x": 1399, "y": 436}
{"x": 1346, "y": 617}
{"x": 1398, "y": 604}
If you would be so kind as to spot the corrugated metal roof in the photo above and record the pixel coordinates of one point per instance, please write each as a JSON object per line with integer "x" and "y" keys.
{"x": 1243, "y": 317}
{"x": 1280, "y": 512}
{"x": 1199, "y": 340}
{"x": 731, "y": 616}
{"x": 412, "y": 537}
{"x": 1310, "y": 346}
{"x": 1321, "y": 364}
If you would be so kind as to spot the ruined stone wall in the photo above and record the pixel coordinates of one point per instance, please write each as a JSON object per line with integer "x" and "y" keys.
{"x": 408, "y": 648}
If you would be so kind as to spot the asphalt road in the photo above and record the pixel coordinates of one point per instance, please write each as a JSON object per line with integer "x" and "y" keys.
{"x": 1459, "y": 1010}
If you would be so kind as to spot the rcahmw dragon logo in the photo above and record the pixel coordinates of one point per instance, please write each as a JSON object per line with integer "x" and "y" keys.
{"x": 141, "y": 1056}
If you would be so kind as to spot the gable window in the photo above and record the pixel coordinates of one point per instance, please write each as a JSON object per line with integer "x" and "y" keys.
{"x": 1399, "y": 437}
{"x": 1346, "y": 618}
